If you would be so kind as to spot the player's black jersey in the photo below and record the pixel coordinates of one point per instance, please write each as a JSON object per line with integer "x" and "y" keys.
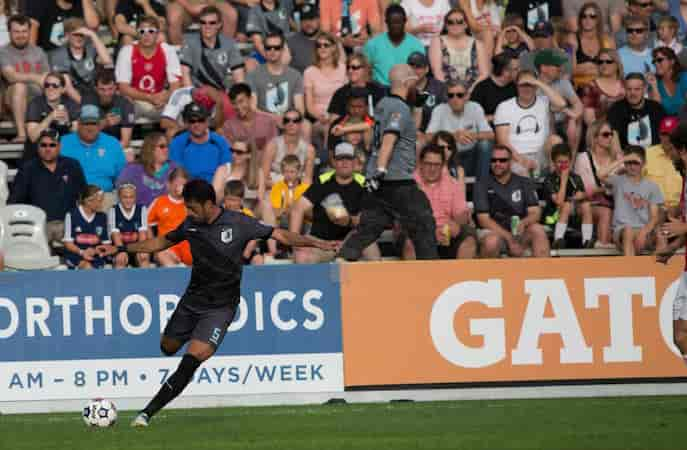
{"x": 217, "y": 250}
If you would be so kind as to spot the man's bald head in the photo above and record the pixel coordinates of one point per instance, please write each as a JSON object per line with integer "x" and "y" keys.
{"x": 400, "y": 73}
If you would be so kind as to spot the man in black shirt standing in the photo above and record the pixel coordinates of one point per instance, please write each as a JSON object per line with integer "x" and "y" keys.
{"x": 217, "y": 238}
{"x": 50, "y": 182}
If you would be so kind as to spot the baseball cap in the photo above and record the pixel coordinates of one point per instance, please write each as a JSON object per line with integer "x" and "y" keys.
{"x": 549, "y": 57}
{"x": 542, "y": 29}
{"x": 417, "y": 59}
{"x": 193, "y": 110}
{"x": 668, "y": 125}
{"x": 309, "y": 12}
{"x": 51, "y": 133}
{"x": 344, "y": 150}
{"x": 89, "y": 114}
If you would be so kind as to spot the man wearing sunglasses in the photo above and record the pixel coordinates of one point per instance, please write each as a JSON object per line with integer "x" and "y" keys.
{"x": 180, "y": 14}
{"x": 127, "y": 13}
{"x": 635, "y": 51}
{"x": 51, "y": 182}
{"x": 149, "y": 71}
{"x": 302, "y": 43}
{"x": 636, "y": 205}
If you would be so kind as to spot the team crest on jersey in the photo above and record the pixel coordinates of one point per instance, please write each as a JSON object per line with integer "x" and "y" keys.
{"x": 227, "y": 235}
{"x": 516, "y": 196}
{"x": 89, "y": 65}
{"x": 65, "y": 178}
{"x": 101, "y": 152}
{"x": 98, "y": 230}
{"x": 222, "y": 58}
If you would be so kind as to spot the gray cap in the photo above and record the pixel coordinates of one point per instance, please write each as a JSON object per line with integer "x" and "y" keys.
{"x": 344, "y": 150}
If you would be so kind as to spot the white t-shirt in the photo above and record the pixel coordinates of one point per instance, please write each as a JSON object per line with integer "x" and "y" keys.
{"x": 529, "y": 127}
{"x": 419, "y": 14}
{"x": 471, "y": 119}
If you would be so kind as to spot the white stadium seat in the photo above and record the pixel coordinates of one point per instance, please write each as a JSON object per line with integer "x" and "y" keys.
{"x": 23, "y": 238}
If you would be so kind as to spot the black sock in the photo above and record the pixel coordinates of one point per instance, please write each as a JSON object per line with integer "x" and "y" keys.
{"x": 174, "y": 385}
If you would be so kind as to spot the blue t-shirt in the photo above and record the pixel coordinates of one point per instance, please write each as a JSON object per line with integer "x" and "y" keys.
{"x": 673, "y": 104}
{"x": 383, "y": 55}
{"x": 101, "y": 161}
{"x": 200, "y": 160}
{"x": 636, "y": 62}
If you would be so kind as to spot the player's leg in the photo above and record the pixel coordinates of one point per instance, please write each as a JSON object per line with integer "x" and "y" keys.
{"x": 562, "y": 225}
{"x": 585, "y": 211}
{"x": 535, "y": 235}
{"x": 373, "y": 220}
{"x": 18, "y": 94}
{"x": 602, "y": 218}
{"x": 417, "y": 220}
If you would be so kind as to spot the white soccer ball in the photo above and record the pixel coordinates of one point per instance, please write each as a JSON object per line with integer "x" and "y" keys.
{"x": 100, "y": 413}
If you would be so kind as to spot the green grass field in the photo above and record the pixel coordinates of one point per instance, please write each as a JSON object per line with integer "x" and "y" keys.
{"x": 611, "y": 423}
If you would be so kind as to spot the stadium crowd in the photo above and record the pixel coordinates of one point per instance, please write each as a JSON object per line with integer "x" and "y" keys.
{"x": 541, "y": 124}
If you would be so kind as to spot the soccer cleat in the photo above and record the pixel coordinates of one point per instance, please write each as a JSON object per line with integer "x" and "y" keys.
{"x": 141, "y": 420}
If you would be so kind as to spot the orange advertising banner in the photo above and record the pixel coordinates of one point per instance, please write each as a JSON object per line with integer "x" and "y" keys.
{"x": 509, "y": 320}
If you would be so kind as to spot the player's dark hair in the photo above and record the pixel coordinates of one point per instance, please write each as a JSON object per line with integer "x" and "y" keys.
{"x": 178, "y": 172}
{"x": 433, "y": 149}
{"x": 235, "y": 188}
{"x": 211, "y": 10}
{"x": 635, "y": 76}
{"x": 560, "y": 149}
{"x": 450, "y": 140}
{"x": 88, "y": 191}
{"x": 199, "y": 191}
{"x": 105, "y": 76}
{"x": 394, "y": 9}
{"x": 500, "y": 62}
{"x": 19, "y": 19}
{"x": 238, "y": 89}
{"x": 635, "y": 150}
{"x": 275, "y": 35}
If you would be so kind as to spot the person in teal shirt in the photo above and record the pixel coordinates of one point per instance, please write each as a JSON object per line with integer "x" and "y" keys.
{"x": 393, "y": 47}
{"x": 670, "y": 73}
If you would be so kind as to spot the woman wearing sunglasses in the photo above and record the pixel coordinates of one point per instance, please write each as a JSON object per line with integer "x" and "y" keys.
{"x": 243, "y": 167}
{"x": 606, "y": 89}
{"x": 587, "y": 42}
{"x": 669, "y": 85}
{"x": 359, "y": 77}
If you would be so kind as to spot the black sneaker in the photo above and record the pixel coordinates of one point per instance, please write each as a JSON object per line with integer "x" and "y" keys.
{"x": 587, "y": 245}
{"x": 558, "y": 244}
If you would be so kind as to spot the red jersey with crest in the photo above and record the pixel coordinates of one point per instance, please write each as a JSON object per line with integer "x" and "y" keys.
{"x": 149, "y": 75}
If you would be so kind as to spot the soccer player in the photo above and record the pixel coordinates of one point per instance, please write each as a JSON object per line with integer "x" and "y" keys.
{"x": 217, "y": 238}
{"x": 676, "y": 229}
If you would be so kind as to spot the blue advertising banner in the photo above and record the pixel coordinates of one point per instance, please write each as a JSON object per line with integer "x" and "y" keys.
{"x": 85, "y": 333}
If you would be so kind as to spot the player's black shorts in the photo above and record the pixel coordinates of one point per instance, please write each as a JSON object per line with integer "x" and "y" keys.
{"x": 205, "y": 323}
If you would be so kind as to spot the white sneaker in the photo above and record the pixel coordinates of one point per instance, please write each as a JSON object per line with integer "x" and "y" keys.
{"x": 141, "y": 420}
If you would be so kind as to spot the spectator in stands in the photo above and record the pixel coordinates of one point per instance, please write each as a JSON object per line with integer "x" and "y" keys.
{"x": 567, "y": 122}
{"x": 611, "y": 10}
{"x": 457, "y": 55}
{"x": 51, "y": 181}
{"x": 660, "y": 167}
{"x": 101, "y": 156}
{"x": 267, "y": 17}
{"x": 642, "y": 10}
{"x": 358, "y": 71}
{"x": 302, "y": 43}
{"x": 636, "y": 53}
{"x": 543, "y": 37}
{"x": 180, "y": 13}
{"x": 276, "y": 87}
{"x": 512, "y": 38}
{"x": 199, "y": 150}
{"x": 431, "y": 92}
{"x": 289, "y": 143}
{"x": 667, "y": 34}
{"x": 24, "y": 66}
{"x": 587, "y": 42}
{"x": 129, "y": 12}
{"x": 233, "y": 195}
{"x": 425, "y": 17}
{"x": 84, "y": 229}
{"x": 507, "y": 209}
{"x": 669, "y": 85}
{"x": 335, "y": 205}
{"x": 286, "y": 192}
{"x": 466, "y": 121}
{"x": 601, "y": 157}
{"x": 447, "y": 142}
{"x": 499, "y": 86}
{"x": 636, "y": 206}
{"x": 350, "y": 21}
{"x": 118, "y": 117}
{"x": 565, "y": 195}
{"x": 243, "y": 168}
{"x": 249, "y": 125}
{"x": 127, "y": 222}
{"x": 150, "y": 175}
{"x": 208, "y": 58}
{"x": 535, "y": 11}
{"x": 149, "y": 71}
{"x": 636, "y": 118}
{"x": 607, "y": 88}
{"x": 48, "y": 16}
{"x": 455, "y": 235}
{"x": 385, "y": 50}
{"x": 484, "y": 20}
{"x": 54, "y": 109}
{"x": 78, "y": 58}
{"x": 523, "y": 124}
{"x": 356, "y": 121}
{"x": 321, "y": 81}
{"x": 166, "y": 213}
{"x": 6, "y": 11}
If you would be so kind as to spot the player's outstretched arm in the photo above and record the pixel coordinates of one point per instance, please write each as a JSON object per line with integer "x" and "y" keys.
{"x": 153, "y": 245}
{"x": 298, "y": 240}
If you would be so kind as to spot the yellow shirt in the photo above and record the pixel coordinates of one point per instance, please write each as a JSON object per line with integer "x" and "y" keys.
{"x": 659, "y": 169}
{"x": 282, "y": 197}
